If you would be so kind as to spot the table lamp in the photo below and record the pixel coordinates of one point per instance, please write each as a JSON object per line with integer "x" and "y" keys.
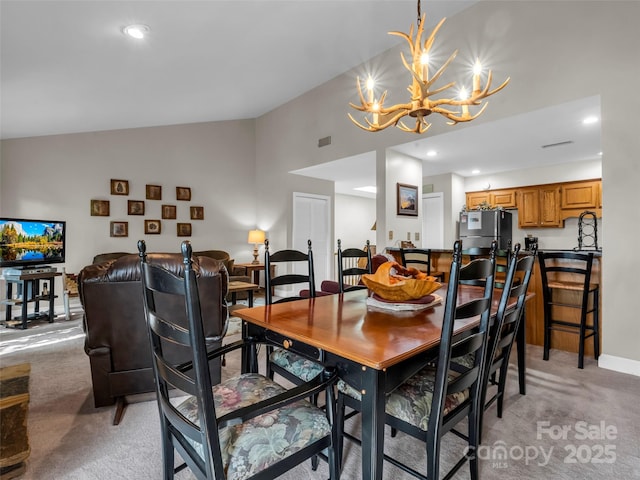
{"x": 255, "y": 237}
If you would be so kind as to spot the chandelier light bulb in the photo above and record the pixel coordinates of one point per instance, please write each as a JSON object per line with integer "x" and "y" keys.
{"x": 477, "y": 67}
{"x": 424, "y": 58}
{"x": 463, "y": 95}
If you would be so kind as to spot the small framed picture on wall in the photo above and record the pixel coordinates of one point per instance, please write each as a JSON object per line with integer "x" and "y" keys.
{"x": 154, "y": 192}
{"x": 407, "y": 199}
{"x": 135, "y": 207}
{"x": 99, "y": 208}
{"x": 152, "y": 227}
{"x": 197, "y": 213}
{"x": 119, "y": 229}
{"x": 184, "y": 229}
{"x": 169, "y": 212}
{"x": 119, "y": 187}
{"x": 183, "y": 193}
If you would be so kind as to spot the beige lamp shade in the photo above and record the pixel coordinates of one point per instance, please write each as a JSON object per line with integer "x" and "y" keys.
{"x": 256, "y": 236}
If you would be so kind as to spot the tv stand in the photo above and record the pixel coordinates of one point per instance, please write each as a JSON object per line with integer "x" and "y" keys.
{"x": 29, "y": 291}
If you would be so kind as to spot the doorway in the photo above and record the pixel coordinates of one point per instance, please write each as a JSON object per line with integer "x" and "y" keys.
{"x": 311, "y": 221}
{"x": 433, "y": 220}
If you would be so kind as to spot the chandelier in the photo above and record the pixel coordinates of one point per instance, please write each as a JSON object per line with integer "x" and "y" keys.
{"x": 378, "y": 116}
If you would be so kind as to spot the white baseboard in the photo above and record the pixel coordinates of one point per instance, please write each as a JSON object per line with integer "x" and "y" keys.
{"x": 619, "y": 364}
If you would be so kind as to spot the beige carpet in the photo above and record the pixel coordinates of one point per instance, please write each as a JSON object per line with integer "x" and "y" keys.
{"x": 70, "y": 439}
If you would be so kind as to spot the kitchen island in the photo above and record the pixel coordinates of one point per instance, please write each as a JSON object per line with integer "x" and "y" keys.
{"x": 534, "y": 320}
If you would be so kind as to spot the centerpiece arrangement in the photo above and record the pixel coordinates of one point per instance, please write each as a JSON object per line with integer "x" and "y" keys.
{"x": 395, "y": 287}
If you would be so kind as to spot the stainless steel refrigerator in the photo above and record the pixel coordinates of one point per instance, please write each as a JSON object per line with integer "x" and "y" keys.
{"x": 479, "y": 228}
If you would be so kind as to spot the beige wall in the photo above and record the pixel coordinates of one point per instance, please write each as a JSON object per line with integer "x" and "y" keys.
{"x": 55, "y": 177}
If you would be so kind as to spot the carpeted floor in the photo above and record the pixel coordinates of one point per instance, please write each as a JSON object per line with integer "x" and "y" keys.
{"x": 70, "y": 439}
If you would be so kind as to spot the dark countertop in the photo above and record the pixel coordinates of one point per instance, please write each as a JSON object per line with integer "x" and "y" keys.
{"x": 596, "y": 253}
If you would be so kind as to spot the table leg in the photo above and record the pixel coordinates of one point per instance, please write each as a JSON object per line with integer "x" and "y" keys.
{"x": 250, "y": 298}
{"x": 373, "y": 414}
{"x": 521, "y": 344}
{"x": 233, "y": 298}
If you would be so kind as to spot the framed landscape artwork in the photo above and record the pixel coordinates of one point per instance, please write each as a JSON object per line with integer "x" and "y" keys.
{"x": 154, "y": 192}
{"x": 184, "y": 229}
{"x": 135, "y": 207}
{"x": 99, "y": 208}
{"x": 152, "y": 227}
{"x": 407, "y": 199}
{"x": 119, "y": 229}
{"x": 119, "y": 187}
{"x": 183, "y": 193}
{"x": 169, "y": 212}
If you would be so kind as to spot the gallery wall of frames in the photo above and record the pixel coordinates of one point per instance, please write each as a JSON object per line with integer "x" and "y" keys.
{"x": 137, "y": 207}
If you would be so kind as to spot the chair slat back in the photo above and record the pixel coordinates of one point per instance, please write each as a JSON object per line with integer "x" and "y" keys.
{"x": 419, "y": 258}
{"x": 351, "y": 271}
{"x": 192, "y": 377}
{"x": 474, "y": 343}
{"x": 292, "y": 259}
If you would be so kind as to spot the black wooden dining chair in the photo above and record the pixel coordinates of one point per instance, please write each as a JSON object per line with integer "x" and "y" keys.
{"x": 419, "y": 258}
{"x": 566, "y": 283}
{"x": 503, "y": 256}
{"x": 504, "y": 329}
{"x": 290, "y": 365}
{"x": 220, "y": 430}
{"x": 438, "y": 397}
{"x": 353, "y": 271}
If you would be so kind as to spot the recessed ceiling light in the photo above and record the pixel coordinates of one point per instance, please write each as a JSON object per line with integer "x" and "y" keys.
{"x": 368, "y": 189}
{"x": 432, "y": 153}
{"x": 589, "y": 120}
{"x": 136, "y": 31}
{"x": 475, "y": 172}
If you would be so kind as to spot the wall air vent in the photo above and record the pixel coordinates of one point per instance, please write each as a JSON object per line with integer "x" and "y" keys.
{"x": 323, "y": 142}
{"x": 566, "y": 142}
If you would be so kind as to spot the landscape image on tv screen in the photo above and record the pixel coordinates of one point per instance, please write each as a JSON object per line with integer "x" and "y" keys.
{"x": 31, "y": 242}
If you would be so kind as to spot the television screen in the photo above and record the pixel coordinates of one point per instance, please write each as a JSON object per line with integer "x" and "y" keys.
{"x": 25, "y": 243}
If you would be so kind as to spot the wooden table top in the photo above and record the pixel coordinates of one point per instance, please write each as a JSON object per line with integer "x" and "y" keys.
{"x": 342, "y": 324}
{"x": 242, "y": 286}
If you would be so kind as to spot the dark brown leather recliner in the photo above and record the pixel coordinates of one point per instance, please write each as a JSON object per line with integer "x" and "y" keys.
{"x": 117, "y": 341}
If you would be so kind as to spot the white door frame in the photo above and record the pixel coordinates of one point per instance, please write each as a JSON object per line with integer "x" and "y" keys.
{"x": 322, "y": 257}
{"x": 428, "y": 220}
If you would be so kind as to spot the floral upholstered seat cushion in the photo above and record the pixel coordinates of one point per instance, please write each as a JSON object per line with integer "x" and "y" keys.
{"x": 301, "y": 367}
{"x": 262, "y": 441}
{"x": 411, "y": 401}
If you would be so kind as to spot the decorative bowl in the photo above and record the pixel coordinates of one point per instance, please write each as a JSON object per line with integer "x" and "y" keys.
{"x": 395, "y": 283}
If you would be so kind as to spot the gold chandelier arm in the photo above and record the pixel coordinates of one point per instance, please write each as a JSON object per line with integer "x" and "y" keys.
{"x": 429, "y": 41}
{"x": 368, "y": 129}
{"x": 440, "y": 71}
{"x": 421, "y": 126}
{"x": 466, "y": 118}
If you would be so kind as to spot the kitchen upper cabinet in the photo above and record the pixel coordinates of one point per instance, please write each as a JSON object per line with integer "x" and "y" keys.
{"x": 503, "y": 198}
{"x": 539, "y": 206}
{"x": 496, "y": 198}
{"x": 581, "y": 195}
{"x": 476, "y": 198}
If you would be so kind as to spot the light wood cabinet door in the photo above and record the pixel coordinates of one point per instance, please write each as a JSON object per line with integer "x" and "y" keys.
{"x": 580, "y": 195}
{"x": 550, "y": 207}
{"x": 539, "y": 207}
{"x": 528, "y": 207}
{"x": 503, "y": 198}
{"x": 476, "y": 198}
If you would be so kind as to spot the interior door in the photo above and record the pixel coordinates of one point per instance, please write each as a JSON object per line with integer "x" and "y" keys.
{"x": 433, "y": 220}
{"x": 311, "y": 220}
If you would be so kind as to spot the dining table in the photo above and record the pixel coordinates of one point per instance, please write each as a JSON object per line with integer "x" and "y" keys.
{"x": 373, "y": 349}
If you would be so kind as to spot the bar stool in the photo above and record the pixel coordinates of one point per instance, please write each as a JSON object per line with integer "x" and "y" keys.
{"x": 570, "y": 272}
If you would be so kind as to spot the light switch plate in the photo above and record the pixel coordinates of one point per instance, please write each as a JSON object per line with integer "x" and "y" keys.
{"x": 409, "y": 236}
{"x": 417, "y": 236}
{"x": 390, "y": 234}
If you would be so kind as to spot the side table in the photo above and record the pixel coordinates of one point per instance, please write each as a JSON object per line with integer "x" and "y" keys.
{"x": 28, "y": 291}
{"x": 255, "y": 269}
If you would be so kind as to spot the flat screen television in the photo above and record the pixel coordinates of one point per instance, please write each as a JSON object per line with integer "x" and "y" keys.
{"x": 29, "y": 243}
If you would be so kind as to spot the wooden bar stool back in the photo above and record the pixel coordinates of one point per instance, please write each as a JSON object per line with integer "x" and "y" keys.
{"x": 566, "y": 283}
